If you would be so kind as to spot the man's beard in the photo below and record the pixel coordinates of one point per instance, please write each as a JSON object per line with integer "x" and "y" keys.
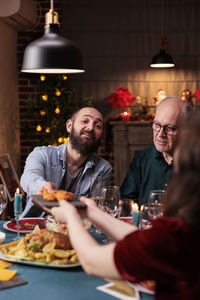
{"x": 84, "y": 146}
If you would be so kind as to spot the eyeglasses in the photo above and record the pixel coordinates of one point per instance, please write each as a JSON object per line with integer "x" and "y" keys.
{"x": 170, "y": 130}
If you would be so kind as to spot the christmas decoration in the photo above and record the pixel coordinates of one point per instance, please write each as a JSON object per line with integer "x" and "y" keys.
{"x": 51, "y": 107}
{"x": 186, "y": 96}
{"x": 122, "y": 98}
{"x": 197, "y": 95}
{"x": 160, "y": 95}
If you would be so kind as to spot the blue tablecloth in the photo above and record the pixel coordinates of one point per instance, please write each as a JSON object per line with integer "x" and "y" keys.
{"x": 55, "y": 284}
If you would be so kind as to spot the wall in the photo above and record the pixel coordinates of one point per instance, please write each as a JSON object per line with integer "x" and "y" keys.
{"x": 119, "y": 38}
{"x": 13, "y": 15}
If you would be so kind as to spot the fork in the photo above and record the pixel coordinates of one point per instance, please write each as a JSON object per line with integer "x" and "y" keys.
{"x": 27, "y": 226}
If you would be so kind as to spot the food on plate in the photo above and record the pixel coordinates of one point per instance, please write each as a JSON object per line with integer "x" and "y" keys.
{"x": 42, "y": 246}
{"x": 52, "y": 224}
{"x": 45, "y": 236}
{"x": 57, "y": 195}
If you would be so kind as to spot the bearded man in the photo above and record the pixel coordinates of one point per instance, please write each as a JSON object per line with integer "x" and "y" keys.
{"x": 70, "y": 166}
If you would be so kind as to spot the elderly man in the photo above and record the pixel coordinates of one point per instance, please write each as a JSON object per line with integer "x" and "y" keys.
{"x": 70, "y": 166}
{"x": 152, "y": 168}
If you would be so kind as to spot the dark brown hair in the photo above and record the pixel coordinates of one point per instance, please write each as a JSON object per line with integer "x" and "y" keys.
{"x": 182, "y": 198}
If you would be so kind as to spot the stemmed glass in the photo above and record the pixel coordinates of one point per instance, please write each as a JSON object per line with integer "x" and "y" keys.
{"x": 95, "y": 194}
{"x": 155, "y": 203}
{"x": 110, "y": 200}
{"x": 3, "y": 198}
{"x": 145, "y": 220}
{"x": 110, "y": 203}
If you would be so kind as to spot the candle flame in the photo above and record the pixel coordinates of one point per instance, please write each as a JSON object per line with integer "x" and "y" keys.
{"x": 142, "y": 207}
{"x": 134, "y": 207}
{"x": 17, "y": 191}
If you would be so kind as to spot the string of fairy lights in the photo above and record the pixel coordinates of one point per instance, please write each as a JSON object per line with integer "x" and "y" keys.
{"x": 57, "y": 111}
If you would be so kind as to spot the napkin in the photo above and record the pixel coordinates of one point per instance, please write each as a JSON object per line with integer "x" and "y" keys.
{"x": 16, "y": 280}
{"x": 8, "y": 278}
{"x": 119, "y": 289}
{"x": 122, "y": 287}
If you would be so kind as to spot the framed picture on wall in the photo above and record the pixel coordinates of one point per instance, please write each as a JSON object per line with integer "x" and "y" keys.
{"x": 8, "y": 175}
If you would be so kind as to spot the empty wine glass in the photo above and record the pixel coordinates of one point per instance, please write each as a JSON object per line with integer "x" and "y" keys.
{"x": 110, "y": 203}
{"x": 145, "y": 220}
{"x": 95, "y": 190}
{"x": 155, "y": 204}
{"x": 110, "y": 200}
{"x": 95, "y": 194}
{"x": 3, "y": 198}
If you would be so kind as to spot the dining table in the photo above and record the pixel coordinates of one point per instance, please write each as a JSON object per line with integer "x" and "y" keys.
{"x": 53, "y": 283}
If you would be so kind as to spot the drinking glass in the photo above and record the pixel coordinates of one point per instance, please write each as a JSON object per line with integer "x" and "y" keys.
{"x": 145, "y": 220}
{"x": 3, "y": 198}
{"x": 95, "y": 194}
{"x": 95, "y": 190}
{"x": 110, "y": 200}
{"x": 155, "y": 203}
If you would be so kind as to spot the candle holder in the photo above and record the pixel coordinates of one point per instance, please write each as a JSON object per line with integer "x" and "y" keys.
{"x": 125, "y": 116}
{"x": 17, "y": 209}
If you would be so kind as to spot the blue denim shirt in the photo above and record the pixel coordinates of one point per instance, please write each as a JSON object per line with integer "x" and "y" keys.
{"x": 48, "y": 163}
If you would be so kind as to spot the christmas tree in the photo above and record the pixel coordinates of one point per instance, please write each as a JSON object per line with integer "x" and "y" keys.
{"x": 50, "y": 108}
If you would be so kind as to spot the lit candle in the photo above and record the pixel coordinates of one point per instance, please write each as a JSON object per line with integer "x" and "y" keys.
{"x": 18, "y": 203}
{"x": 135, "y": 214}
{"x": 125, "y": 116}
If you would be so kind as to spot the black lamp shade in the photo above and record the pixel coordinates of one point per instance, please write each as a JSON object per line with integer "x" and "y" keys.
{"x": 162, "y": 60}
{"x": 52, "y": 54}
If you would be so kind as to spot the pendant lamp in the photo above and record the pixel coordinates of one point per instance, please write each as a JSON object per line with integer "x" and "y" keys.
{"x": 162, "y": 59}
{"x": 52, "y": 53}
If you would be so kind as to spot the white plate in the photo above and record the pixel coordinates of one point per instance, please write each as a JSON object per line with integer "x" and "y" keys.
{"x": 11, "y": 226}
{"x": 13, "y": 259}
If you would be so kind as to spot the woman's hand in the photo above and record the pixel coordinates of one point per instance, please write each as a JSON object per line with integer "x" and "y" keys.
{"x": 63, "y": 211}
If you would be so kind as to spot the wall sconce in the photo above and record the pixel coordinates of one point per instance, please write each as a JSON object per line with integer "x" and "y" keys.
{"x": 52, "y": 53}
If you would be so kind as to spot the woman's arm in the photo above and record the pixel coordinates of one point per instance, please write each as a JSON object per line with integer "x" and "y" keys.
{"x": 114, "y": 228}
{"x": 95, "y": 259}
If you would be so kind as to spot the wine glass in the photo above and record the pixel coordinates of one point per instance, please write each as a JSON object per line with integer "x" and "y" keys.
{"x": 110, "y": 203}
{"x": 155, "y": 205}
{"x": 145, "y": 220}
{"x": 110, "y": 200}
{"x": 95, "y": 195}
{"x": 95, "y": 190}
{"x": 3, "y": 198}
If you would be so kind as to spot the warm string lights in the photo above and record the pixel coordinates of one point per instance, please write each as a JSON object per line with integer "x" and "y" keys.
{"x": 57, "y": 110}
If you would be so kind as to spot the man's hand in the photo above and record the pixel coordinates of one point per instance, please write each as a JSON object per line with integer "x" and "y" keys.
{"x": 49, "y": 186}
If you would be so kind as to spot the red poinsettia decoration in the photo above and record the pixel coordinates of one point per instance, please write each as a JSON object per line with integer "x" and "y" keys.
{"x": 122, "y": 98}
{"x": 197, "y": 95}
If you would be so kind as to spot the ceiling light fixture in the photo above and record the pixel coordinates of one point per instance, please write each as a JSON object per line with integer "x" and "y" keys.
{"x": 162, "y": 59}
{"x": 52, "y": 53}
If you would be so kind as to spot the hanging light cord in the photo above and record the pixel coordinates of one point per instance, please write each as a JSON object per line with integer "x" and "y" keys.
{"x": 51, "y": 5}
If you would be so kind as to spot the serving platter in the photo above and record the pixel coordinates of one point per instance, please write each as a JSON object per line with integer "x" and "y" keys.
{"x": 38, "y": 200}
{"x": 18, "y": 260}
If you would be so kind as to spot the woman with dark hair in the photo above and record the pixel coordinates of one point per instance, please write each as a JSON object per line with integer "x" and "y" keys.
{"x": 169, "y": 251}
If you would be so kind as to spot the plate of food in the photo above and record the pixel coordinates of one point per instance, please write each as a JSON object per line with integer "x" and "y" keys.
{"x": 52, "y": 224}
{"x": 43, "y": 248}
{"x": 52, "y": 199}
{"x": 26, "y": 225}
